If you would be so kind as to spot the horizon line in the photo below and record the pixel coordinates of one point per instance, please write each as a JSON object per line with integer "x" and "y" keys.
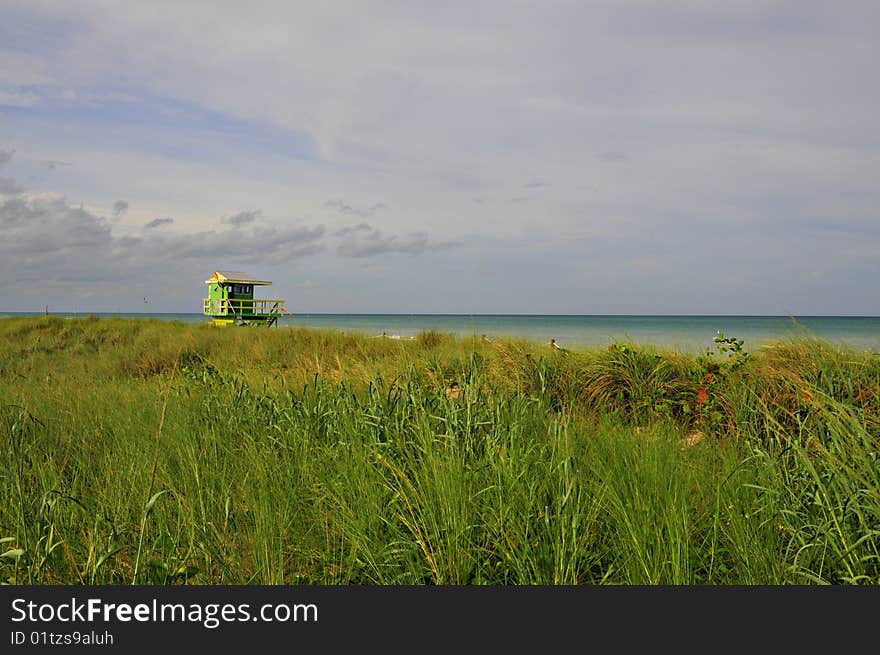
{"x": 450, "y": 314}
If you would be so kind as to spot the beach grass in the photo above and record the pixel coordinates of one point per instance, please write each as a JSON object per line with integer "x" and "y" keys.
{"x": 155, "y": 452}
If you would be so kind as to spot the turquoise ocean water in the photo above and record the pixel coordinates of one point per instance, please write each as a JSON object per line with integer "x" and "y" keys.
{"x": 684, "y": 332}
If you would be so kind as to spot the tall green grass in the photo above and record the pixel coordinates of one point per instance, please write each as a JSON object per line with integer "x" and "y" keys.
{"x": 149, "y": 452}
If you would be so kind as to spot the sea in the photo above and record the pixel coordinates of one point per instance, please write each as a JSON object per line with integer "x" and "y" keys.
{"x": 685, "y": 333}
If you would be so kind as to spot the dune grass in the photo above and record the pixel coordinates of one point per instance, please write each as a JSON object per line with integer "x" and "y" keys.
{"x": 151, "y": 452}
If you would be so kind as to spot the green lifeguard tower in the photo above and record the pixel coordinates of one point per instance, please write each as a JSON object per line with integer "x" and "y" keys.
{"x": 231, "y": 301}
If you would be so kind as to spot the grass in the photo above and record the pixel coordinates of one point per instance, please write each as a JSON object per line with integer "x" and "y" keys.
{"x": 151, "y": 452}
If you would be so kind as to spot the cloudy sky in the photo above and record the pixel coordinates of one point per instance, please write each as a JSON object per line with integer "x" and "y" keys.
{"x": 591, "y": 157}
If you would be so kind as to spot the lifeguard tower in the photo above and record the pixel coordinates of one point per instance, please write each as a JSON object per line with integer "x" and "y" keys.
{"x": 231, "y": 301}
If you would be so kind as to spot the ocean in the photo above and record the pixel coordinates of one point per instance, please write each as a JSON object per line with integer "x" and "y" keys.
{"x": 686, "y": 333}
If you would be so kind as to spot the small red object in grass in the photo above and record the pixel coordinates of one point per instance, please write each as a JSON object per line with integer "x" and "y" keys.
{"x": 702, "y": 395}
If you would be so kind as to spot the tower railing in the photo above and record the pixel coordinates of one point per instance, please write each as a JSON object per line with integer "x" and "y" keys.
{"x": 243, "y": 307}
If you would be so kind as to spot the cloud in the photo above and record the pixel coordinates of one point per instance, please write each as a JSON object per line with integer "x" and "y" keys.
{"x": 360, "y": 227}
{"x": 272, "y": 244}
{"x": 350, "y": 210}
{"x": 365, "y": 241}
{"x": 9, "y": 187}
{"x": 37, "y": 226}
{"x": 433, "y": 105}
{"x": 45, "y": 238}
{"x": 6, "y": 155}
{"x": 242, "y": 218}
{"x": 158, "y": 222}
{"x": 412, "y": 245}
{"x": 119, "y": 208}
{"x": 14, "y": 98}
{"x": 52, "y": 164}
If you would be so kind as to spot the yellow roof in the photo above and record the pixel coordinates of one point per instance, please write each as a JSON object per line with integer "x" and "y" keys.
{"x": 235, "y": 276}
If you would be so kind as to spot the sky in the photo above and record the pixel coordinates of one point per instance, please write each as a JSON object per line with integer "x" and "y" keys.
{"x": 552, "y": 157}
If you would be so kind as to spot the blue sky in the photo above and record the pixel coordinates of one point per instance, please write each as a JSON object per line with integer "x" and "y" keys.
{"x": 626, "y": 157}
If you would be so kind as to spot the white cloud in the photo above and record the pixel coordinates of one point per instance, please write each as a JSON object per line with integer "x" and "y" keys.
{"x": 242, "y": 217}
{"x": 14, "y": 98}
{"x": 346, "y": 209}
